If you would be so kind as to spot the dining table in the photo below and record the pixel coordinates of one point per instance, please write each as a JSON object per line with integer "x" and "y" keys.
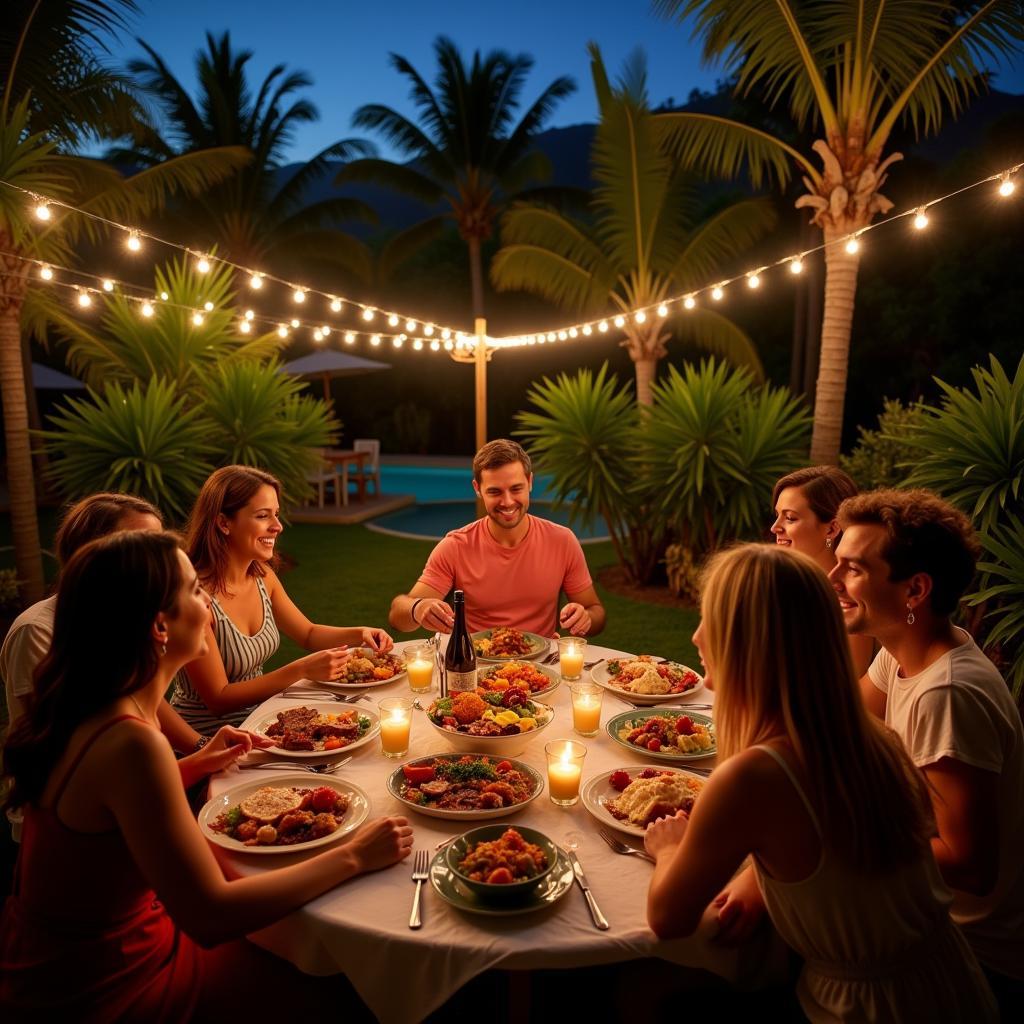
{"x": 342, "y": 459}
{"x": 361, "y": 927}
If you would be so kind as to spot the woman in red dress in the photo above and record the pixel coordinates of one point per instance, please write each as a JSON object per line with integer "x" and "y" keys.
{"x": 115, "y": 887}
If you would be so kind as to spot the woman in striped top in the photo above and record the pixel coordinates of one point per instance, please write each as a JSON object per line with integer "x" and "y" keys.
{"x": 231, "y": 536}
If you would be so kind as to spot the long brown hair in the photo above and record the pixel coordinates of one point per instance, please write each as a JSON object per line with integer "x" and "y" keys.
{"x": 226, "y": 491}
{"x": 96, "y": 516}
{"x": 781, "y": 660}
{"x": 110, "y": 594}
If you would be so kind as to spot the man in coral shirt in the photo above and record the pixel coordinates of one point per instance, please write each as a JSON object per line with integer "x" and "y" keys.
{"x": 511, "y": 565}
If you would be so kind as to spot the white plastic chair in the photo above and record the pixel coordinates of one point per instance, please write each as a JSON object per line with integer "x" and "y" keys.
{"x": 370, "y": 469}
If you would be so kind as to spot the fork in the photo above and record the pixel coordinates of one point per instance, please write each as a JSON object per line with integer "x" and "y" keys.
{"x": 342, "y": 698}
{"x": 318, "y": 769}
{"x": 419, "y": 876}
{"x": 620, "y": 847}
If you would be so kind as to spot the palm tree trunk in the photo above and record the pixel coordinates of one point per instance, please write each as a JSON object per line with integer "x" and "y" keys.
{"x": 646, "y": 368}
{"x": 476, "y": 276}
{"x": 840, "y": 288}
{"x": 20, "y": 483}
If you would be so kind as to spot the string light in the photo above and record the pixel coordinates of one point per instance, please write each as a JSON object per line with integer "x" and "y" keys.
{"x": 753, "y": 280}
{"x": 256, "y": 282}
{"x": 641, "y": 316}
{"x": 562, "y": 335}
{"x": 249, "y": 314}
{"x": 921, "y": 219}
{"x": 1006, "y": 185}
{"x": 203, "y": 265}
{"x": 164, "y": 296}
{"x": 108, "y": 285}
{"x": 603, "y": 326}
{"x": 662, "y": 310}
{"x": 852, "y": 245}
{"x": 299, "y": 295}
{"x": 392, "y": 320}
{"x": 335, "y": 305}
{"x": 445, "y": 334}
{"x": 84, "y": 300}
{"x": 325, "y": 330}
{"x": 689, "y": 302}
{"x": 349, "y": 338}
{"x": 796, "y": 265}
{"x": 197, "y": 318}
{"x": 282, "y": 331}
{"x": 398, "y": 340}
{"x": 429, "y": 330}
{"x": 295, "y": 322}
{"x": 245, "y": 327}
{"x": 147, "y": 309}
{"x": 133, "y": 242}
{"x": 367, "y": 314}
{"x": 418, "y": 344}
{"x": 448, "y": 346}
{"x": 318, "y": 335}
{"x": 435, "y": 345}
{"x": 588, "y": 330}
{"x": 375, "y": 340}
{"x": 46, "y": 272}
{"x": 619, "y": 321}
{"x": 410, "y": 326}
{"x": 43, "y": 211}
{"x": 573, "y": 332}
{"x": 208, "y": 306}
{"x": 717, "y": 292}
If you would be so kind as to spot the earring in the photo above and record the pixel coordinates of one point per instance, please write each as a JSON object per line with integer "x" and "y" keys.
{"x": 163, "y": 650}
{"x": 910, "y": 616}
{"x": 828, "y": 543}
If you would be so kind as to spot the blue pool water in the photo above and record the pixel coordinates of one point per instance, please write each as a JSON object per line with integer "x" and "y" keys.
{"x": 444, "y": 501}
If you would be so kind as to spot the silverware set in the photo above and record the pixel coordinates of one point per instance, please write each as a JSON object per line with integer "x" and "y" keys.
{"x": 316, "y": 769}
{"x": 620, "y": 847}
{"x": 666, "y": 707}
{"x": 341, "y": 698}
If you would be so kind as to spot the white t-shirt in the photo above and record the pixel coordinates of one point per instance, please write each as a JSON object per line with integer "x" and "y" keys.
{"x": 25, "y": 645}
{"x": 960, "y": 707}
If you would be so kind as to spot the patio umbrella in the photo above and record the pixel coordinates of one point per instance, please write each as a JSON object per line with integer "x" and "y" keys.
{"x": 329, "y": 364}
{"x": 45, "y": 378}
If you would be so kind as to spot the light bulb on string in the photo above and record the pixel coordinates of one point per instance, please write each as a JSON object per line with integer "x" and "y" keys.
{"x": 244, "y": 326}
{"x": 392, "y": 320}
{"x": 1006, "y": 185}
{"x": 418, "y": 344}
{"x": 446, "y": 334}
{"x": 295, "y": 322}
{"x": 550, "y": 336}
{"x": 256, "y": 282}
{"x": 84, "y": 300}
{"x": 134, "y": 243}
{"x": 46, "y": 272}
{"x": 350, "y": 338}
{"x": 367, "y": 314}
{"x": 662, "y": 310}
{"x": 562, "y": 335}
{"x": 335, "y": 305}
{"x": 164, "y": 296}
{"x": 689, "y": 302}
{"x": 325, "y": 330}
{"x": 375, "y": 340}
{"x": 197, "y": 319}
{"x": 318, "y": 335}
{"x": 398, "y": 340}
{"x": 428, "y": 330}
{"x": 449, "y": 345}
{"x": 921, "y": 219}
{"x": 717, "y": 292}
{"x": 282, "y": 331}
{"x": 753, "y": 280}
{"x": 587, "y": 330}
{"x": 410, "y": 326}
{"x": 208, "y": 306}
{"x": 43, "y": 211}
{"x": 203, "y": 265}
{"x": 603, "y": 326}
{"x": 853, "y": 245}
{"x": 573, "y": 333}
{"x": 147, "y": 309}
{"x": 619, "y": 321}
{"x": 249, "y": 314}
{"x": 796, "y": 265}
{"x": 299, "y": 295}
{"x": 641, "y": 316}
{"x": 435, "y": 345}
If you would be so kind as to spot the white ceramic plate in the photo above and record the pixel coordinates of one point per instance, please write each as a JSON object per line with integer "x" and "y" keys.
{"x": 554, "y": 679}
{"x": 357, "y": 813}
{"x": 397, "y": 780}
{"x": 539, "y": 647}
{"x": 633, "y": 719}
{"x": 597, "y": 792}
{"x": 331, "y": 707}
{"x": 349, "y": 687}
{"x": 600, "y": 674}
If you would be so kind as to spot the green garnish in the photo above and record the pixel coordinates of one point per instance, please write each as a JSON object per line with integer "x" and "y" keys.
{"x": 493, "y": 698}
{"x": 614, "y": 668}
{"x": 233, "y": 817}
{"x": 464, "y": 771}
{"x": 364, "y": 724}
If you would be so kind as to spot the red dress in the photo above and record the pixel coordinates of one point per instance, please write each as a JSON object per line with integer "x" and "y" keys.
{"x": 83, "y": 935}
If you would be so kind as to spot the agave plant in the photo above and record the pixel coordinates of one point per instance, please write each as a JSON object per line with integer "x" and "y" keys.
{"x": 879, "y": 456}
{"x": 142, "y": 440}
{"x": 973, "y": 446}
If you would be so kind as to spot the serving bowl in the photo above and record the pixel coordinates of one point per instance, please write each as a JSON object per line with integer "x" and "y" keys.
{"x": 496, "y": 746}
{"x": 512, "y": 891}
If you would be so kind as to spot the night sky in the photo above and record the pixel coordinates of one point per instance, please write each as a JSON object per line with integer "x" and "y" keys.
{"x": 344, "y": 47}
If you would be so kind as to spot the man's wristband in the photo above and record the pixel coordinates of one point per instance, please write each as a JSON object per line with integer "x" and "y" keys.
{"x": 200, "y": 743}
{"x": 412, "y": 610}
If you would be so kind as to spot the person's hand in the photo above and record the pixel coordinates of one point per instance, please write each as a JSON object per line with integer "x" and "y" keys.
{"x": 575, "y": 618}
{"x": 376, "y": 639}
{"x": 433, "y": 614}
{"x": 226, "y": 747}
{"x": 665, "y": 834}
{"x": 740, "y": 908}
{"x": 324, "y": 666}
{"x": 381, "y": 843}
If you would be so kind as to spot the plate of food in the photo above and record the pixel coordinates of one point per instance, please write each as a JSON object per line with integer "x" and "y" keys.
{"x": 646, "y": 680}
{"x": 533, "y": 680}
{"x": 465, "y": 787}
{"x": 629, "y": 799}
{"x": 368, "y": 668}
{"x": 498, "y": 870}
{"x": 296, "y": 812}
{"x": 499, "y": 723}
{"x": 508, "y": 644}
{"x": 315, "y": 729}
{"x": 665, "y": 735}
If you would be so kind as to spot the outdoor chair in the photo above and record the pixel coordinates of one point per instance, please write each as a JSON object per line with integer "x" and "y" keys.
{"x": 327, "y": 473}
{"x": 370, "y": 469}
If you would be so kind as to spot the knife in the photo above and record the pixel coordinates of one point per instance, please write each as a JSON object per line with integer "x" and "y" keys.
{"x": 600, "y": 921}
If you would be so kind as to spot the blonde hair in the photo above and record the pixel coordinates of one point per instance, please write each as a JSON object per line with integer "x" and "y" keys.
{"x": 781, "y": 663}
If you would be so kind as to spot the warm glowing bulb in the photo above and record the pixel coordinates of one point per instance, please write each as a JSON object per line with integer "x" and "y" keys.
{"x": 689, "y": 302}
{"x": 410, "y": 326}
{"x": 418, "y": 344}
{"x": 397, "y": 341}
{"x": 203, "y": 265}
{"x": 717, "y": 293}
{"x": 134, "y": 243}
{"x": 367, "y": 314}
{"x": 46, "y": 273}
{"x": 852, "y": 245}
{"x": 249, "y": 314}
{"x": 375, "y": 340}
{"x": 43, "y": 211}
{"x": 448, "y": 346}
{"x": 573, "y": 332}
{"x": 1006, "y": 185}
{"x": 641, "y": 317}
{"x": 164, "y": 296}
{"x": 551, "y": 336}
{"x": 392, "y": 320}
{"x": 282, "y": 331}
{"x": 562, "y": 335}
{"x": 619, "y": 321}
{"x": 429, "y": 330}
{"x": 256, "y": 281}
{"x": 662, "y": 310}
{"x": 587, "y": 330}
{"x": 435, "y": 345}
{"x": 921, "y": 220}
{"x": 108, "y": 285}
{"x": 245, "y": 327}
{"x": 197, "y": 319}
{"x": 295, "y": 322}
{"x": 753, "y": 281}
{"x": 325, "y": 330}
{"x": 318, "y": 335}
{"x": 446, "y": 334}
{"x": 335, "y": 305}
{"x": 350, "y": 338}
{"x": 147, "y": 309}
{"x": 299, "y": 295}
{"x": 208, "y": 306}
{"x": 84, "y": 299}
{"x": 603, "y": 326}
{"x": 796, "y": 265}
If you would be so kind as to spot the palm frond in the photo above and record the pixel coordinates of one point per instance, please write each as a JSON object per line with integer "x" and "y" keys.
{"x": 711, "y": 332}
{"x": 548, "y": 274}
{"x": 335, "y": 250}
{"x": 406, "y": 244}
{"x": 400, "y": 177}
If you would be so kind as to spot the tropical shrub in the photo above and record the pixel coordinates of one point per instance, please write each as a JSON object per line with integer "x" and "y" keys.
{"x": 878, "y": 458}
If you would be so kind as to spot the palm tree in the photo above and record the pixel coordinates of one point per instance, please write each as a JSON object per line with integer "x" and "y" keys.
{"x": 854, "y": 69}
{"x": 645, "y": 241}
{"x": 56, "y": 95}
{"x": 467, "y": 151}
{"x": 258, "y": 217}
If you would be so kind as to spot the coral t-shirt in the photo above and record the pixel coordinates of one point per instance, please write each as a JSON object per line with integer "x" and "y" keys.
{"x": 506, "y": 586}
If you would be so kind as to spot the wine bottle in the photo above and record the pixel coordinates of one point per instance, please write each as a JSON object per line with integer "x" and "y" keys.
{"x": 460, "y": 657}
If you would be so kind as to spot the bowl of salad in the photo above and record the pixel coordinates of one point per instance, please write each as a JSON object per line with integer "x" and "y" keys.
{"x": 500, "y": 724}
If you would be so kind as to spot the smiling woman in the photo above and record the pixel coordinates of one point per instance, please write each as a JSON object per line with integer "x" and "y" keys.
{"x": 231, "y": 538}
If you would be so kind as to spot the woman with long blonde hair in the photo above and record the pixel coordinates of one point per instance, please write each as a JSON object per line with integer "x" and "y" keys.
{"x": 833, "y": 815}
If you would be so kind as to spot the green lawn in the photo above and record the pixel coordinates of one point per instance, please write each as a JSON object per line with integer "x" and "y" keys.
{"x": 347, "y": 575}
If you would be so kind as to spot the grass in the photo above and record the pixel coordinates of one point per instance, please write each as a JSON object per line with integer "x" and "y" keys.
{"x": 347, "y": 575}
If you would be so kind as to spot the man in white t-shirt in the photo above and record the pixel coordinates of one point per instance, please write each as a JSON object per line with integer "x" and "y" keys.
{"x": 903, "y": 563}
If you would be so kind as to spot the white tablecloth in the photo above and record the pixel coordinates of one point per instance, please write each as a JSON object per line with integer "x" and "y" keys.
{"x": 361, "y": 927}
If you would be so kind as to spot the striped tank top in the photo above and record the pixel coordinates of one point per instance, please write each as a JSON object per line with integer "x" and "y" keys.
{"x": 243, "y": 658}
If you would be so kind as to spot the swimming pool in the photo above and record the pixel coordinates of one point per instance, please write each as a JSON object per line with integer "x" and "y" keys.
{"x": 445, "y": 501}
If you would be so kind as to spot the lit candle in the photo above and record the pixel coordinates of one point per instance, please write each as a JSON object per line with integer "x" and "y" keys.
{"x": 395, "y": 723}
{"x": 586, "y": 714}
{"x": 565, "y": 767}
{"x": 421, "y": 672}
{"x": 570, "y": 656}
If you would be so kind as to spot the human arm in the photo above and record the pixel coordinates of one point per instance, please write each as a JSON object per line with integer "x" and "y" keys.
{"x": 431, "y": 612}
{"x": 226, "y": 747}
{"x": 964, "y": 800}
{"x": 153, "y": 815}
{"x": 740, "y": 907}
{"x": 584, "y": 614}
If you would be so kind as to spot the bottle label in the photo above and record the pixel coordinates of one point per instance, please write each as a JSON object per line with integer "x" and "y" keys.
{"x": 461, "y": 681}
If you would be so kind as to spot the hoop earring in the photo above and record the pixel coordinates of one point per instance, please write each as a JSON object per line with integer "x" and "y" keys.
{"x": 910, "y": 616}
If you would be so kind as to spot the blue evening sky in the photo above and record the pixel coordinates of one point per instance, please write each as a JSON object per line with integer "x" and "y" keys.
{"x": 344, "y": 47}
